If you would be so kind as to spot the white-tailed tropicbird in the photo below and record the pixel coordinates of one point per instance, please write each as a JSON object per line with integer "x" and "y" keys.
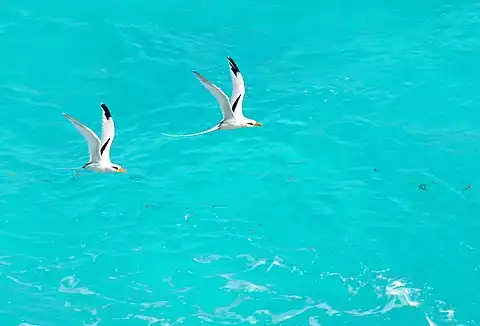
{"x": 99, "y": 149}
{"x": 232, "y": 109}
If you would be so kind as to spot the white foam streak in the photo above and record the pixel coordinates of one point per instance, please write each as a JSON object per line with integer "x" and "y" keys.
{"x": 17, "y": 281}
{"x": 398, "y": 290}
{"x": 430, "y": 322}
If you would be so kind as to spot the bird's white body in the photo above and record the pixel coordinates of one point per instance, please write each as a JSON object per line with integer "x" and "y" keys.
{"x": 99, "y": 167}
{"x": 232, "y": 108}
{"x": 99, "y": 150}
{"x": 239, "y": 122}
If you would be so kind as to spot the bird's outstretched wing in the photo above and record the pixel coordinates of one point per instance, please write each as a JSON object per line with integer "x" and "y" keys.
{"x": 238, "y": 88}
{"x": 92, "y": 139}
{"x": 108, "y": 133}
{"x": 222, "y": 99}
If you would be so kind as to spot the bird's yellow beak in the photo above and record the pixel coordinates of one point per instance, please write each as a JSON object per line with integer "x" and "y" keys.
{"x": 257, "y": 124}
{"x": 122, "y": 170}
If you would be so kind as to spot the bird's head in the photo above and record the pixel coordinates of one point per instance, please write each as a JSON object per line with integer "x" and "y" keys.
{"x": 118, "y": 168}
{"x": 252, "y": 123}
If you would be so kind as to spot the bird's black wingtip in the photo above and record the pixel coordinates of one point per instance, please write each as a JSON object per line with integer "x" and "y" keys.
{"x": 233, "y": 65}
{"x": 106, "y": 110}
{"x": 197, "y": 74}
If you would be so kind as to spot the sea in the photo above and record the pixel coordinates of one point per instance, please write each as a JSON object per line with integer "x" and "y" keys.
{"x": 356, "y": 203}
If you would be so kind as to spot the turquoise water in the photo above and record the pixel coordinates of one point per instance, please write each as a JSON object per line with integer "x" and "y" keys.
{"x": 317, "y": 218}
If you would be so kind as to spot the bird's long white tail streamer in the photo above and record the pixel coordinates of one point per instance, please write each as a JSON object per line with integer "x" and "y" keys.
{"x": 79, "y": 168}
{"x": 217, "y": 127}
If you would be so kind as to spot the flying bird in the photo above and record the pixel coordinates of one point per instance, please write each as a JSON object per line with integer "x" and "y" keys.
{"x": 99, "y": 149}
{"x": 232, "y": 108}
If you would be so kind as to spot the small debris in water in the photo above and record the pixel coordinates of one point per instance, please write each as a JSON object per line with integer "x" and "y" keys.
{"x": 468, "y": 187}
{"x": 422, "y": 186}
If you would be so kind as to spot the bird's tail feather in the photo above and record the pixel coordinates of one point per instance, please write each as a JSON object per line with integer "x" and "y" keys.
{"x": 217, "y": 127}
{"x": 79, "y": 168}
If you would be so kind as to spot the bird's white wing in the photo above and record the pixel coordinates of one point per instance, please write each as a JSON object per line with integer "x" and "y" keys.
{"x": 238, "y": 92}
{"x": 222, "y": 99}
{"x": 217, "y": 127}
{"x": 92, "y": 139}
{"x": 108, "y": 133}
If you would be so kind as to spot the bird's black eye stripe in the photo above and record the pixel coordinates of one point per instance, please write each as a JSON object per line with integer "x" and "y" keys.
{"x": 115, "y": 168}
